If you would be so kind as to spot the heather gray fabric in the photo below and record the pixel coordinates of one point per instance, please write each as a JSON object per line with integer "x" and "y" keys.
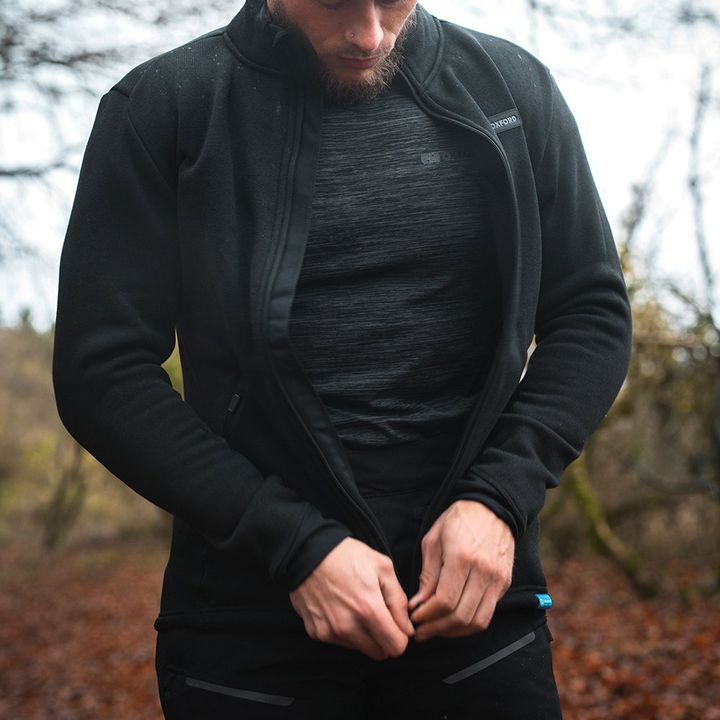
{"x": 396, "y": 308}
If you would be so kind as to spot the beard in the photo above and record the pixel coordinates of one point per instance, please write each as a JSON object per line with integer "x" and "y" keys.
{"x": 344, "y": 92}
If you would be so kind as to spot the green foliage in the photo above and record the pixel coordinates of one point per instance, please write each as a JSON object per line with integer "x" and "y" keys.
{"x": 173, "y": 368}
{"x": 25, "y": 318}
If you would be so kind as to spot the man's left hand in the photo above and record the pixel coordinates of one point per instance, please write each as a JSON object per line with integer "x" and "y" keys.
{"x": 467, "y": 567}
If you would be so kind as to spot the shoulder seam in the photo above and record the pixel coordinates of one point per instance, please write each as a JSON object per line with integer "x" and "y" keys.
{"x": 116, "y": 89}
{"x": 167, "y": 183}
{"x": 552, "y": 117}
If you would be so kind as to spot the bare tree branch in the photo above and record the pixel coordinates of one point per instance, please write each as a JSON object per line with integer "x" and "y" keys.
{"x": 695, "y": 183}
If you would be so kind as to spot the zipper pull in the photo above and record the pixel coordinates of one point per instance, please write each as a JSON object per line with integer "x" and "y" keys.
{"x": 234, "y": 402}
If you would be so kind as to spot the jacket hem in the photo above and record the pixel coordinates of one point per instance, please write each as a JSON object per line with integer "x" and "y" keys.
{"x": 517, "y": 599}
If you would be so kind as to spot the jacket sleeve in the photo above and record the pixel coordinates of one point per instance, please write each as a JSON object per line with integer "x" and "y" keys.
{"x": 583, "y": 336}
{"x": 118, "y": 302}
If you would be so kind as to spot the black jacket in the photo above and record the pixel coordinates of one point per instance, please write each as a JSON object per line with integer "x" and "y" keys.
{"x": 191, "y": 214}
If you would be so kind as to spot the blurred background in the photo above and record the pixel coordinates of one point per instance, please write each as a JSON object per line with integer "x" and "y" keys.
{"x": 631, "y": 539}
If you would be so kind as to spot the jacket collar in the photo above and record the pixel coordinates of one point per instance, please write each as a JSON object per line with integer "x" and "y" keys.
{"x": 265, "y": 46}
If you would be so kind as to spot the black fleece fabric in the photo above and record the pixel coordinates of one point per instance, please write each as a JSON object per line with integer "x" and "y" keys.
{"x": 190, "y": 217}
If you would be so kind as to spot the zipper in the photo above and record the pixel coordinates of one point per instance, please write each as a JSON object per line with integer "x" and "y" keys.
{"x": 445, "y": 485}
{"x": 370, "y": 523}
{"x": 498, "y": 655}
{"x": 231, "y": 691}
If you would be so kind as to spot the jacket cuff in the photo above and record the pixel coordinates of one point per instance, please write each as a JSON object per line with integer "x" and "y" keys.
{"x": 312, "y": 546}
{"x": 481, "y": 491}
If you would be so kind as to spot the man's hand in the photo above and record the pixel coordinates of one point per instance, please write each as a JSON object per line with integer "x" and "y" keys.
{"x": 467, "y": 567}
{"x": 353, "y": 598}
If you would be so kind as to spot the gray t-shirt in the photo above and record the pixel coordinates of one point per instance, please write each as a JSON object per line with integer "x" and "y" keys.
{"x": 397, "y": 305}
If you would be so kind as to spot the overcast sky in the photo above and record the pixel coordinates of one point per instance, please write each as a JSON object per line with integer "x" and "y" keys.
{"x": 627, "y": 97}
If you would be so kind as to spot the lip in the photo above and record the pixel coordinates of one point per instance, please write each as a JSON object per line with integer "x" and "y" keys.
{"x": 359, "y": 63}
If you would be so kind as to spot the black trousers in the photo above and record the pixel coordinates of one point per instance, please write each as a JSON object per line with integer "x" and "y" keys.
{"x": 272, "y": 669}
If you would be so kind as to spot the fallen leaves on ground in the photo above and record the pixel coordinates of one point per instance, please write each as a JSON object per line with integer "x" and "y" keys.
{"x": 616, "y": 656}
{"x": 76, "y": 635}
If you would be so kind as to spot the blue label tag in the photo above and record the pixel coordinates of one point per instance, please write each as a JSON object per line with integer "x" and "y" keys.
{"x": 544, "y": 600}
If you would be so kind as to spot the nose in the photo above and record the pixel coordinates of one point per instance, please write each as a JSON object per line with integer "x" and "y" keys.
{"x": 366, "y": 32}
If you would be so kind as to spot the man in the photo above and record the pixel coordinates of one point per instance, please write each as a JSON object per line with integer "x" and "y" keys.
{"x": 357, "y": 218}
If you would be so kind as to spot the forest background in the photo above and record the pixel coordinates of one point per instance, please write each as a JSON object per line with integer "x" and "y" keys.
{"x": 631, "y": 538}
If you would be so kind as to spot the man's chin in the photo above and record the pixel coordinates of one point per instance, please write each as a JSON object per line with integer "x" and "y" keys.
{"x": 354, "y": 88}
{"x": 350, "y": 92}
{"x": 341, "y": 89}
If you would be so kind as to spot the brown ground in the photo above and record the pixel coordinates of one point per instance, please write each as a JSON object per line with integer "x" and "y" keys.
{"x": 76, "y": 640}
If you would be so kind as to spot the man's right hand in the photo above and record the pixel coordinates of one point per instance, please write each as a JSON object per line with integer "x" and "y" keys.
{"x": 353, "y": 598}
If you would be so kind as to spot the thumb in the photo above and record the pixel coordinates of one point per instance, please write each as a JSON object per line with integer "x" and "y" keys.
{"x": 432, "y": 562}
{"x": 396, "y": 602}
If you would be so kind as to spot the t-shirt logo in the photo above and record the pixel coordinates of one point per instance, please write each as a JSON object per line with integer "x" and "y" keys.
{"x": 434, "y": 158}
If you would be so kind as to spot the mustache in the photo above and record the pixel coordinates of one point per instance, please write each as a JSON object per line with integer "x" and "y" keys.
{"x": 355, "y": 55}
